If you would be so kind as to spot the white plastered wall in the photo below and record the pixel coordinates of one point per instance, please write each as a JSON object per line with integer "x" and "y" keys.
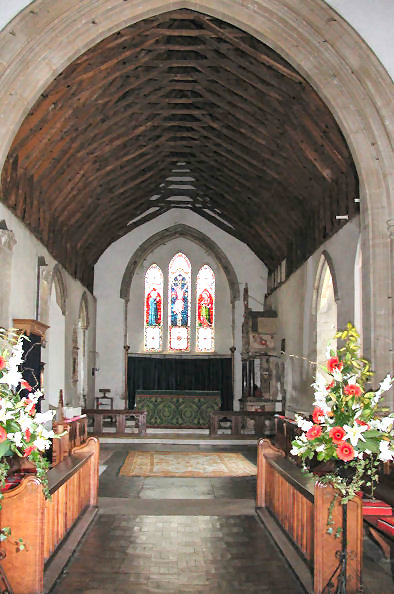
{"x": 297, "y": 323}
{"x": 108, "y": 275}
{"x": 21, "y": 291}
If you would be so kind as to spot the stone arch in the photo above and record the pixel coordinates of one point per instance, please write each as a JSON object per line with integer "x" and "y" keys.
{"x": 173, "y": 232}
{"x": 325, "y": 259}
{"x": 310, "y": 35}
{"x": 60, "y": 288}
{"x": 83, "y": 315}
{"x": 326, "y": 318}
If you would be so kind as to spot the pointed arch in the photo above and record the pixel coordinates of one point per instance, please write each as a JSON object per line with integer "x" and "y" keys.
{"x": 325, "y": 312}
{"x": 179, "y": 303}
{"x": 83, "y": 315}
{"x": 205, "y": 310}
{"x": 153, "y": 309}
{"x": 60, "y": 288}
{"x": 187, "y": 232}
{"x": 332, "y": 68}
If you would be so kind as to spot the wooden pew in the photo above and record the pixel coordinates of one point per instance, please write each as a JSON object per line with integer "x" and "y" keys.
{"x": 44, "y": 524}
{"x": 289, "y": 502}
{"x": 120, "y": 419}
{"x": 238, "y": 418}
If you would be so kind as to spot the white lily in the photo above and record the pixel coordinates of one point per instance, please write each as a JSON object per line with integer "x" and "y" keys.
{"x": 386, "y": 452}
{"x": 16, "y": 438}
{"x": 337, "y": 375}
{"x": 42, "y": 418}
{"x": 354, "y": 433}
{"x": 12, "y": 377}
{"x": 303, "y": 423}
{"x": 386, "y": 423}
{"x": 384, "y": 385}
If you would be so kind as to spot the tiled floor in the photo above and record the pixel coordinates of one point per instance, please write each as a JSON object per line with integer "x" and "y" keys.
{"x": 184, "y": 536}
{"x": 177, "y": 536}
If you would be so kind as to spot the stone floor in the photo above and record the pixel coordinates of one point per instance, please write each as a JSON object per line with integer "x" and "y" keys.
{"x": 175, "y": 535}
{"x": 185, "y": 535}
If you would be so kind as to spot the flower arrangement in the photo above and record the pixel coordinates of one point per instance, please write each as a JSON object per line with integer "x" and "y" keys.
{"x": 348, "y": 430}
{"x": 22, "y": 430}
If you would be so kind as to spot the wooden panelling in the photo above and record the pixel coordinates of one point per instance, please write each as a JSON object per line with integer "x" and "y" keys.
{"x": 43, "y": 524}
{"x": 301, "y": 508}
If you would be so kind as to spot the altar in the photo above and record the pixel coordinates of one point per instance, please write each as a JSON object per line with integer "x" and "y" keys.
{"x": 178, "y": 409}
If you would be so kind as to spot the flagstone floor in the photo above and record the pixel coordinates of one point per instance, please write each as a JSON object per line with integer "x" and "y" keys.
{"x": 178, "y": 535}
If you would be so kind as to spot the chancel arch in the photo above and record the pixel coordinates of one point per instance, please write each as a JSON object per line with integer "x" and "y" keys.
{"x": 329, "y": 57}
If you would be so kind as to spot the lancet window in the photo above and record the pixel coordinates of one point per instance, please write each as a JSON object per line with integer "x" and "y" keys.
{"x": 205, "y": 310}
{"x": 153, "y": 318}
{"x": 179, "y": 285}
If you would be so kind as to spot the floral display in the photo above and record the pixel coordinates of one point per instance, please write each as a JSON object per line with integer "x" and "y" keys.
{"x": 22, "y": 429}
{"x": 349, "y": 430}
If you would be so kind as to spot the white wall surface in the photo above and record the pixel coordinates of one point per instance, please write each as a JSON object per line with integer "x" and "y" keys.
{"x": 293, "y": 302}
{"x": 108, "y": 275}
{"x": 372, "y": 19}
{"x": 22, "y": 296}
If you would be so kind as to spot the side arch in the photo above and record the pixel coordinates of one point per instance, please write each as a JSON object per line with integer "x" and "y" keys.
{"x": 168, "y": 234}
{"x": 83, "y": 315}
{"x": 325, "y": 259}
{"x": 57, "y": 280}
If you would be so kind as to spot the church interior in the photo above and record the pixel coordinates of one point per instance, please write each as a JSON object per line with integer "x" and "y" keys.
{"x": 195, "y": 198}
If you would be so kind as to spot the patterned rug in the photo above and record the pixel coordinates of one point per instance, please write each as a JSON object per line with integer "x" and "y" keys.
{"x": 187, "y": 464}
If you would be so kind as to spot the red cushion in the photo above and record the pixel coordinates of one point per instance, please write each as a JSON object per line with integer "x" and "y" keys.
{"x": 376, "y": 507}
{"x": 387, "y": 524}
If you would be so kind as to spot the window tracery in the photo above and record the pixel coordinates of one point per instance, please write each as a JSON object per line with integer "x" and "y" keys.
{"x": 153, "y": 319}
{"x": 205, "y": 310}
{"x": 179, "y": 284}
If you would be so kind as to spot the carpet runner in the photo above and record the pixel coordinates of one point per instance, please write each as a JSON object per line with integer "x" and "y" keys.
{"x": 187, "y": 464}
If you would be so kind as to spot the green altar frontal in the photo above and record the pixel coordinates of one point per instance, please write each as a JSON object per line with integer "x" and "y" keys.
{"x": 177, "y": 409}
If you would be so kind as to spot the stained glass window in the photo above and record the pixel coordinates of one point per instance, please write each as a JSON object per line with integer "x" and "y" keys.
{"x": 205, "y": 310}
{"x": 153, "y": 319}
{"x": 179, "y": 273}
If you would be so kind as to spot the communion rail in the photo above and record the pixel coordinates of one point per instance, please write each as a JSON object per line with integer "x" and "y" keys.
{"x": 295, "y": 510}
{"x": 44, "y": 524}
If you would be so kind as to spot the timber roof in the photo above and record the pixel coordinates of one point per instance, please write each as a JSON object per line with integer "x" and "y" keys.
{"x": 180, "y": 110}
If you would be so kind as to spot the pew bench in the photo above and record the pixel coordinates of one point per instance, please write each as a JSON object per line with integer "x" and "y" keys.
{"x": 120, "y": 419}
{"x": 238, "y": 418}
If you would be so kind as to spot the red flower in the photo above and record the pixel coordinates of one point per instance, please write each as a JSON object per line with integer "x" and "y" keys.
{"x": 29, "y": 450}
{"x": 30, "y": 406}
{"x": 359, "y": 422}
{"x": 2, "y": 362}
{"x": 317, "y": 414}
{"x": 313, "y": 432}
{"x": 352, "y": 390}
{"x": 331, "y": 385}
{"x": 337, "y": 434}
{"x": 27, "y": 434}
{"x": 334, "y": 363}
{"x": 345, "y": 451}
{"x": 3, "y": 434}
{"x": 26, "y": 386}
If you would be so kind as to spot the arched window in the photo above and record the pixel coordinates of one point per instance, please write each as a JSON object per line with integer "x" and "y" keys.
{"x": 153, "y": 318}
{"x": 326, "y": 309}
{"x": 205, "y": 310}
{"x": 358, "y": 293}
{"x": 82, "y": 329}
{"x": 179, "y": 273}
